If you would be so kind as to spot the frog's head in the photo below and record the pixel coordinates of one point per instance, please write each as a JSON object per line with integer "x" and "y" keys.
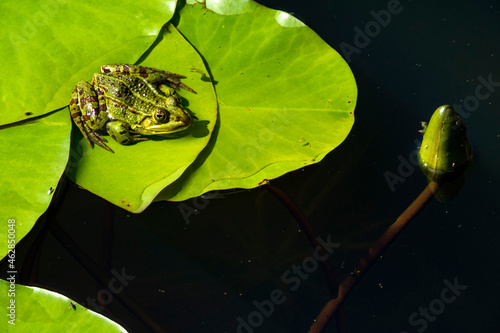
{"x": 164, "y": 120}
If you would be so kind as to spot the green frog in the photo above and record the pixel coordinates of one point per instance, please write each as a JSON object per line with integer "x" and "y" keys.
{"x": 128, "y": 102}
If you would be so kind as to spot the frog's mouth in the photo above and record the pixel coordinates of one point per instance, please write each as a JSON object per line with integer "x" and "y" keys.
{"x": 176, "y": 124}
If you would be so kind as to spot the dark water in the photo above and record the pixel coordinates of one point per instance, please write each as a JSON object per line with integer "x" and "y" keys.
{"x": 242, "y": 248}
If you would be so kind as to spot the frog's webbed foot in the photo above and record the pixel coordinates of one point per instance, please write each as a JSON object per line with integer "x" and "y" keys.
{"x": 83, "y": 94}
{"x": 169, "y": 79}
{"x": 173, "y": 81}
{"x": 94, "y": 137}
{"x": 122, "y": 133}
{"x": 138, "y": 137}
{"x": 127, "y": 139}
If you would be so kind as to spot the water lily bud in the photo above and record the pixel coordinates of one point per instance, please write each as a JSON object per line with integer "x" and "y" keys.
{"x": 445, "y": 151}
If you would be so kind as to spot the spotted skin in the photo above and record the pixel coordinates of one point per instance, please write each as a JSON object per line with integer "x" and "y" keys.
{"x": 92, "y": 102}
{"x": 125, "y": 100}
{"x": 150, "y": 73}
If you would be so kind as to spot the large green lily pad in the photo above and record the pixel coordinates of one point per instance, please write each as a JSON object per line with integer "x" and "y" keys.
{"x": 48, "y": 46}
{"x": 40, "y": 310}
{"x": 285, "y": 97}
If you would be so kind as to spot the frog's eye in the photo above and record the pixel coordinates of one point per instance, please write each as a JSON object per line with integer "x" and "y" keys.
{"x": 160, "y": 116}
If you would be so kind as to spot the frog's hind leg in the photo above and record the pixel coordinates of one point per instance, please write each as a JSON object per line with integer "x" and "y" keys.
{"x": 170, "y": 79}
{"x": 160, "y": 78}
{"x": 84, "y": 99}
{"x": 153, "y": 75}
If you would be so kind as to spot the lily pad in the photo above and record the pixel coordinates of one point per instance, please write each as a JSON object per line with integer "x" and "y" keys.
{"x": 34, "y": 156}
{"x": 133, "y": 176}
{"x": 39, "y": 310}
{"x": 285, "y": 97}
{"x": 48, "y": 46}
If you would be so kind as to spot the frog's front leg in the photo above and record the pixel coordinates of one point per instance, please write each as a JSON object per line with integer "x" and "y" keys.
{"x": 89, "y": 112}
{"x": 121, "y": 133}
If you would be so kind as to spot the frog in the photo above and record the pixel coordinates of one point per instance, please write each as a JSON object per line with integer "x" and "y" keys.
{"x": 129, "y": 102}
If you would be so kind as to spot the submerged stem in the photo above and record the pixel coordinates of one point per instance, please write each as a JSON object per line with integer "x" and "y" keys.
{"x": 372, "y": 255}
{"x": 313, "y": 240}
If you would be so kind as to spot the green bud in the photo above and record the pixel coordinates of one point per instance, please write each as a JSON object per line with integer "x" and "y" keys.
{"x": 445, "y": 151}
